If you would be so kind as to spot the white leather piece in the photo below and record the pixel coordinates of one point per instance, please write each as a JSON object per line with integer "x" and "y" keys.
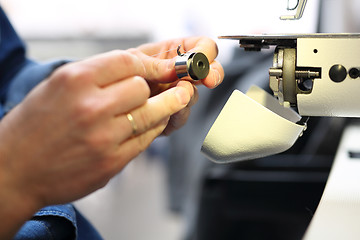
{"x": 245, "y": 129}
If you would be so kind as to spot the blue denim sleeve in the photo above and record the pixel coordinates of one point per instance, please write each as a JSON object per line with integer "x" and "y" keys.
{"x": 12, "y": 55}
{"x": 31, "y": 74}
{"x": 54, "y": 222}
{"x": 58, "y": 222}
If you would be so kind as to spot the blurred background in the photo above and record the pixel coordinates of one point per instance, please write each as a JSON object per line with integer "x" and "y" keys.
{"x": 83, "y": 27}
{"x": 142, "y": 201}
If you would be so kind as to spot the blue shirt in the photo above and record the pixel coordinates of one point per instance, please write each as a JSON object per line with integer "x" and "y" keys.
{"x": 12, "y": 55}
{"x": 18, "y": 75}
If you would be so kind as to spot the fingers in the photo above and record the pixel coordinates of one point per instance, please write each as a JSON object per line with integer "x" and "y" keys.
{"x": 179, "y": 119}
{"x": 215, "y": 76}
{"x": 161, "y": 122}
{"x": 194, "y": 44}
{"x": 156, "y": 69}
{"x": 152, "y": 49}
{"x": 134, "y": 146}
{"x": 111, "y": 67}
{"x": 162, "y": 70}
{"x": 202, "y": 44}
{"x": 191, "y": 89}
{"x": 154, "y": 111}
{"x": 126, "y": 95}
{"x": 160, "y": 107}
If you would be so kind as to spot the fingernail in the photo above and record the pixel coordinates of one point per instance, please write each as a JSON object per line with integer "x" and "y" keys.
{"x": 217, "y": 79}
{"x": 182, "y": 95}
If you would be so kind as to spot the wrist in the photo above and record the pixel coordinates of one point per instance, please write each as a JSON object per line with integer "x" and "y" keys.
{"x": 16, "y": 202}
{"x": 16, "y": 208}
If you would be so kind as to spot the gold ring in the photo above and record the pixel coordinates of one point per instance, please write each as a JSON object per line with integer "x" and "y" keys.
{"x": 133, "y": 123}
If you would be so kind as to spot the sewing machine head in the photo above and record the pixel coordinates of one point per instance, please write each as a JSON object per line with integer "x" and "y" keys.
{"x": 312, "y": 75}
{"x": 317, "y": 74}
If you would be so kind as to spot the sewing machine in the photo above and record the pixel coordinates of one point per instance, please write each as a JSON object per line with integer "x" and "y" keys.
{"x": 312, "y": 75}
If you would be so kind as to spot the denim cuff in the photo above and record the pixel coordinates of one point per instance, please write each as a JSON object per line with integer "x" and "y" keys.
{"x": 58, "y": 222}
{"x": 53, "y": 222}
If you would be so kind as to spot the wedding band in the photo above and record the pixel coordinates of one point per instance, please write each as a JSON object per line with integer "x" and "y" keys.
{"x": 132, "y": 122}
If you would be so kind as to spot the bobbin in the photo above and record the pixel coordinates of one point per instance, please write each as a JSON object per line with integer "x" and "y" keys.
{"x": 191, "y": 64}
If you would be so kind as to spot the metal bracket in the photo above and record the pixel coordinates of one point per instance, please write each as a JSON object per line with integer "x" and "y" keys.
{"x": 300, "y": 10}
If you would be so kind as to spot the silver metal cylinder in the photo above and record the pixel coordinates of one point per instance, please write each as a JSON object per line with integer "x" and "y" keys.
{"x": 193, "y": 65}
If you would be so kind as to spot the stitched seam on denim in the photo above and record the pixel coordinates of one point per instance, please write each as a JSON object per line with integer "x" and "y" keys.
{"x": 47, "y": 212}
{"x": 47, "y": 229}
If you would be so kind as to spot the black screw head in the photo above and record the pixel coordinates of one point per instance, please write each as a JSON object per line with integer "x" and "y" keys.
{"x": 337, "y": 73}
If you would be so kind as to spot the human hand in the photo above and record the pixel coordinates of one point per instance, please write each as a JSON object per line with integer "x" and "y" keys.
{"x": 159, "y": 62}
{"x": 71, "y": 134}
